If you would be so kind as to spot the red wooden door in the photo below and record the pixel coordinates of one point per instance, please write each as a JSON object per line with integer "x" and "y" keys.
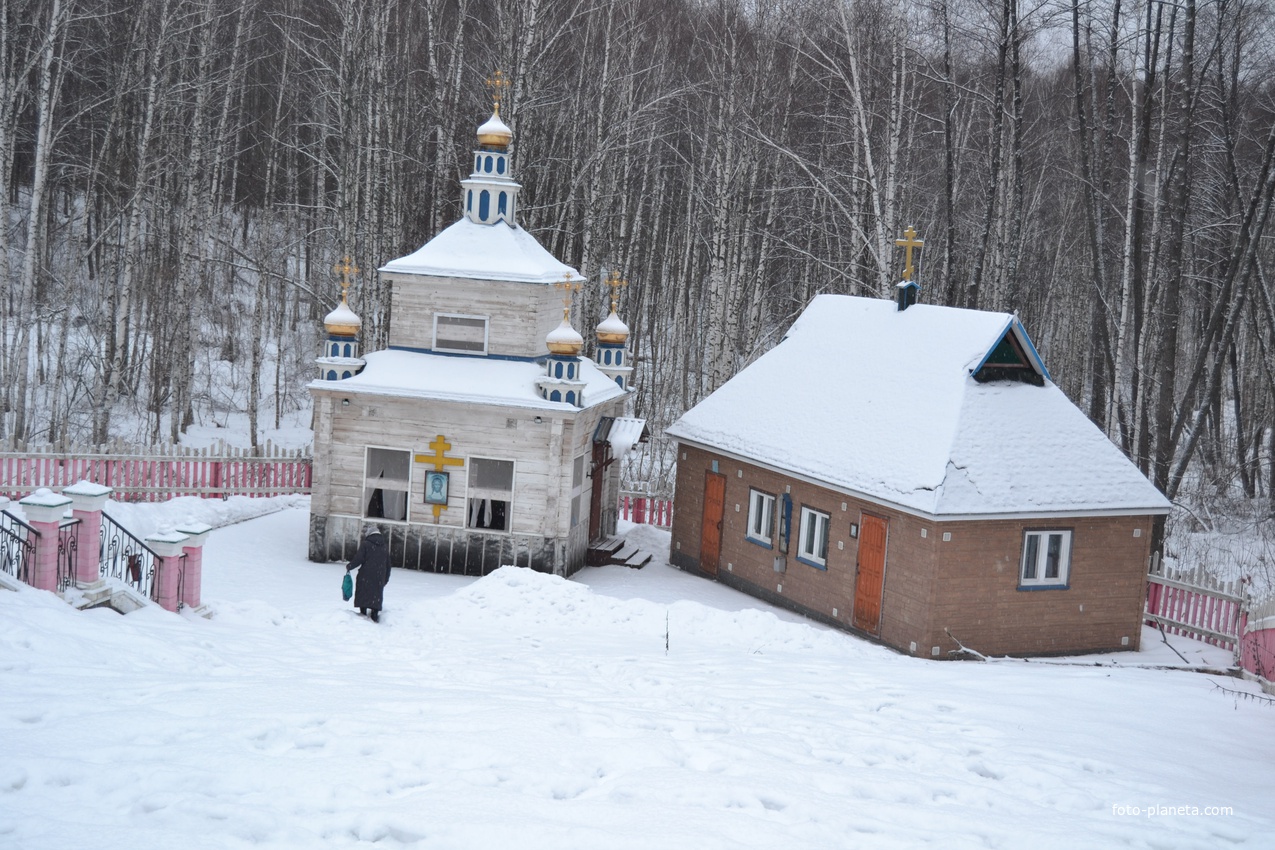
{"x": 870, "y": 576}
{"x": 710, "y": 545}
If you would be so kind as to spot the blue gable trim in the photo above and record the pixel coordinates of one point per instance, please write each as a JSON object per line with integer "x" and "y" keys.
{"x": 1031, "y": 349}
{"x": 1016, "y": 327}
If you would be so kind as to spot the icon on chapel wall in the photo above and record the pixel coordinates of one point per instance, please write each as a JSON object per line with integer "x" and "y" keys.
{"x": 436, "y": 488}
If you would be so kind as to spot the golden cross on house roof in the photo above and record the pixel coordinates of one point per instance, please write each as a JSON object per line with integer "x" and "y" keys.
{"x": 345, "y": 268}
{"x": 440, "y": 461}
{"x": 908, "y": 242}
{"x": 499, "y": 84}
{"x": 569, "y": 288}
{"x": 616, "y": 284}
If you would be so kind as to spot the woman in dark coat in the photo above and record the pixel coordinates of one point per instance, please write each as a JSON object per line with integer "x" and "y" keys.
{"x": 372, "y": 560}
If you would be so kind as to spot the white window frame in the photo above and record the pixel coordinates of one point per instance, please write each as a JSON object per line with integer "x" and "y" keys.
{"x": 472, "y": 493}
{"x": 761, "y": 512}
{"x": 486, "y": 320}
{"x": 369, "y": 484}
{"x": 1035, "y": 559}
{"x": 807, "y": 543}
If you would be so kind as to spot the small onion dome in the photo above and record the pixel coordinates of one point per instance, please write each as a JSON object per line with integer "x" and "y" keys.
{"x": 564, "y": 340}
{"x": 495, "y": 133}
{"x": 611, "y": 329}
{"x": 342, "y": 321}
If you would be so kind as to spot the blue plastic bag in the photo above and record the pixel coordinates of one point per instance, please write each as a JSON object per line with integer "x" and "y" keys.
{"x": 347, "y": 587}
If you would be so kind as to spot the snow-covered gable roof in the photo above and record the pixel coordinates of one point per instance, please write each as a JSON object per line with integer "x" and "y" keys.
{"x": 484, "y": 252}
{"x": 880, "y": 402}
{"x": 473, "y": 380}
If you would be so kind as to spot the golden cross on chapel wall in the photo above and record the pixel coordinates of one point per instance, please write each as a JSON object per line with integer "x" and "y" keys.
{"x": 499, "y": 84}
{"x": 908, "y": 242}
{"x": 569, "y": 288}
{"x": 616, "y": 285}
{"x": 440, "y": 461}
{"x": 345, "y": 268}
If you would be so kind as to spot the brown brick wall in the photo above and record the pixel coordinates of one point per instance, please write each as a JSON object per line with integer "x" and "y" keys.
{"x": 978, "y": 600}
{"x": 825, "y": 593}
{"x": 968, "y": 585}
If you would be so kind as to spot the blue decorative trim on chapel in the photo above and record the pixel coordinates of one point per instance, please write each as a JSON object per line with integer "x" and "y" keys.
{"x": 512, "y": 357}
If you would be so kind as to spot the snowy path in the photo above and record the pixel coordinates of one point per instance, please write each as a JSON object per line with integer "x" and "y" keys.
{"x": 527, "y": 711}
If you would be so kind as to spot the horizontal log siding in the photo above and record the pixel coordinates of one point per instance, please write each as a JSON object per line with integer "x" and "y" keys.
{"x": 520, "y": 315}
{"x": 542, "y": 453}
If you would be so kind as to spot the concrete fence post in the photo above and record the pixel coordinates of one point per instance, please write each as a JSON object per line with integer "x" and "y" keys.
{"x": 87, "y": 501}
{"x": 196, "y": 534}
{"x": 44, "y": 510}
{"x": 167, "y": 546}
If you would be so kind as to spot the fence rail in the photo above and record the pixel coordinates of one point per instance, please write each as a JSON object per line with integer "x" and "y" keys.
{"x": 646, "y": 510}
{"x": 1194, "y": 604}
{"x": 161, "y": 473}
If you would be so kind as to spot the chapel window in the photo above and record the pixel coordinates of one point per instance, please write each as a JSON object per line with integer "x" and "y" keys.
{"x": 387, "y": 477}
{"x": 461, "y": 334}
{"x": 490, "y": 494}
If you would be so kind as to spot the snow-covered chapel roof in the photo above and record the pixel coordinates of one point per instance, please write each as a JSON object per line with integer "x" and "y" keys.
{"x": 879, "y": 402}
{"x": 484, "y": 252}
{"x": 472, "y": 380}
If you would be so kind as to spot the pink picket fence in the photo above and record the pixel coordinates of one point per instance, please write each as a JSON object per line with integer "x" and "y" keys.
{"x": 645, "y": 510}
{"x": 1257, "y": 642}
{"x": 1194, "y": 604}
{"x": 160, "y": 474}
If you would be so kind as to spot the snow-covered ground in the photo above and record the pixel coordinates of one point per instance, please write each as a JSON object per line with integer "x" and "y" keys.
{"x": 623, "y": 709}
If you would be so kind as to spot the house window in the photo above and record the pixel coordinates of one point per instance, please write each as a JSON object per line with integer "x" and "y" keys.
{"x": 577, "y": 491}
{"x": 491, "y": 494}
{"x": 761, "y": 517}
{"x": 459, "y": 333}
{"x": 387, "y": 477}
{"x": 1046, "y": 559}
{"x": 812, "y": 542}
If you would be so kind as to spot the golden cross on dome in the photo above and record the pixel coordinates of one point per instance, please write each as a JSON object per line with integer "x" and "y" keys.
{"x": 616, "y": 285}
{"x": 569, "y": 288}
{"x": 345, "y": 268}
{"x": 908, "y": 242}
{"x": 499, "y": 84}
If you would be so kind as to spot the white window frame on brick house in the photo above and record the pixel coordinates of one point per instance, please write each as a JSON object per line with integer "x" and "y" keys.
{"x": 761, "y": 518}
{"x": 1037, "y": 561}
{"x": 812, "y": 537}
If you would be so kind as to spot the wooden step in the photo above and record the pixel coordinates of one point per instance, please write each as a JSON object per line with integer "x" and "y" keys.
{"x": 638, "y": 560}
{"x": 603, "y": 553}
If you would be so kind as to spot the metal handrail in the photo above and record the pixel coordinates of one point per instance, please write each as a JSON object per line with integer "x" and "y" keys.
{"x": 68, "y": 551}
{"x": 16, "y": 550}
{"x": 125, "y": 557}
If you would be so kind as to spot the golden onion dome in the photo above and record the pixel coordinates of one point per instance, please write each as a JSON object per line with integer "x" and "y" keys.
{"x": 612, "y": 329}
{"x": 564, "y": 339}
{"x": 495, "y": 133}
{"x": 342, "y": 321}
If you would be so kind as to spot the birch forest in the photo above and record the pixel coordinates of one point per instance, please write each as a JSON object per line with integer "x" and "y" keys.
{"x": 181, "y": 176}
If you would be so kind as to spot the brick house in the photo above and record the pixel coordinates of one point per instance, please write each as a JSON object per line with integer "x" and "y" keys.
{"x": 911, "y": 473}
